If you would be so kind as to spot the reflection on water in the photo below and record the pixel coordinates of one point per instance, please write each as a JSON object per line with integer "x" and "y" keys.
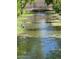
{"x": 41, "y": 39}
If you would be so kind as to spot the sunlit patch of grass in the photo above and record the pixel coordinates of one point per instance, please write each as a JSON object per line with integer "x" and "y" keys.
{"x": 27, "y": 14}
{"x": 20, "y": 29}
{"x": 20, "y": 21}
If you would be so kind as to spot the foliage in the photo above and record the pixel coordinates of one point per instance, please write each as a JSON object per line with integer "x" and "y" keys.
{"x": 21, "y": 5}
{"x": 56, "y": 4}
{"x": 49, "y": 1}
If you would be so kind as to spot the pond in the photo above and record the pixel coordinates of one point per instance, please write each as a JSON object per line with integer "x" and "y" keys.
{"x": 42, "y": 37}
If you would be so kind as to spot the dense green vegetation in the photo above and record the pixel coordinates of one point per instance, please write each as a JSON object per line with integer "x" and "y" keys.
{"x": 56, "y": 5}
{"x": 21, "y": 5}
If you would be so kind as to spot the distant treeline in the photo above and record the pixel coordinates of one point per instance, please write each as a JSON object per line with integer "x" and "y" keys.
{"x": 22, "y": 3}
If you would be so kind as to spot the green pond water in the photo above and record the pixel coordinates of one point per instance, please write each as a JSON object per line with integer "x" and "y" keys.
{"x": 42, "y": 37}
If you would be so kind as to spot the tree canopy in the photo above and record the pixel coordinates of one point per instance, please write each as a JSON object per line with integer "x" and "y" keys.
{"x": 56, "y": 4}
{"x": 22, "y": 3}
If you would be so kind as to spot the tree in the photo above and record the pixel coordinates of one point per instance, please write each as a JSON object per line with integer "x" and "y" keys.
{"x": 56, "y": 4}
{"x": 21, "y": 5}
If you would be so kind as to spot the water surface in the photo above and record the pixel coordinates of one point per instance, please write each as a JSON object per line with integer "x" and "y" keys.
{"x": 41, "y": 39}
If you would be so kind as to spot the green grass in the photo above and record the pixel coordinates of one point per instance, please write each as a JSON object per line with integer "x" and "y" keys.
{"x": 20, "y": 20}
